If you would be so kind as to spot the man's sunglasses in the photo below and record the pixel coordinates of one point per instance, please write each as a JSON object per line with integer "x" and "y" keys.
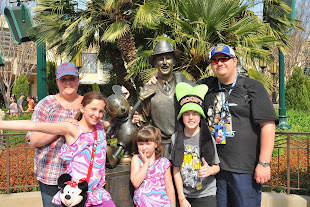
{"x": 222, "y": 59}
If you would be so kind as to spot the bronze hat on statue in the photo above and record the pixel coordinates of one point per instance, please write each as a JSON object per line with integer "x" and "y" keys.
{"x": 162, "y": 47}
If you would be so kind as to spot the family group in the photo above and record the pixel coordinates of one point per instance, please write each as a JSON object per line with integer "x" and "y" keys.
{"x": 199, "y": 144}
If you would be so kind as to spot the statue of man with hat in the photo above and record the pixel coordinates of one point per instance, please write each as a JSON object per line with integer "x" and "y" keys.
{"x": 159, "y": 101}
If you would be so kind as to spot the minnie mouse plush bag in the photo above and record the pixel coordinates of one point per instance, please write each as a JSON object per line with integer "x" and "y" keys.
{"x": 74, "y": 194}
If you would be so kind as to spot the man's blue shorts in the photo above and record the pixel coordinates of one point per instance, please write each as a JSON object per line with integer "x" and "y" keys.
{"x": 237, "y": 190}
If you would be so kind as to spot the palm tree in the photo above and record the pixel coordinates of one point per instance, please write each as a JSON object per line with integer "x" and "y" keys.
{"x": 196, "y": 26}
{"x": 121, "y": 27}
{"x": 108, "y": 24}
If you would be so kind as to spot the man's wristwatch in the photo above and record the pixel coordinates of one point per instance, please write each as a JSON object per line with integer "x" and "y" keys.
{"x": 264, "y": 164}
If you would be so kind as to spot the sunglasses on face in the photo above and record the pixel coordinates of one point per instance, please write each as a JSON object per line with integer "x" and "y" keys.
{"x": 222, "y": 59}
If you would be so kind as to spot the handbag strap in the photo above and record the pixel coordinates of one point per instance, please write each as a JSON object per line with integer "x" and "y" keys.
{"x": 92, "y": 154}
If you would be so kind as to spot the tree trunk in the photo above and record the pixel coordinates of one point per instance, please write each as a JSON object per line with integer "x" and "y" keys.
{"x": 5, "y": 91}
{"x": 126, "y": 45}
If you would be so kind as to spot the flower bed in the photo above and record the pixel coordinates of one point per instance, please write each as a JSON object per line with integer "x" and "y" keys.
{"x": 298, "y": 162}
{"x": 21, "y": 169}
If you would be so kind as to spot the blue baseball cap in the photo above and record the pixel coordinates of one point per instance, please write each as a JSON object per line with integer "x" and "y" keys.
{"x": 67, "y": 68}
{"x": 225, "y": 49}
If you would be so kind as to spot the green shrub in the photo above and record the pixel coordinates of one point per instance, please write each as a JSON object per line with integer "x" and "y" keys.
{"x": 52, "y": 87}
{"x": 3, "y": 108}
{"x": 25, "y": 116}
{"x": 21, "y": 86}
{"x": 14, "y": 140}
{"x": 298, "y": 120}
{"x": 95, "y": 87}
{"x": 297, "y": 91}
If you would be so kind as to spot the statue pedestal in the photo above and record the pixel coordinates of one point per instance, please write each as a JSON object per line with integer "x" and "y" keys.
{"x": 118, "y": 184}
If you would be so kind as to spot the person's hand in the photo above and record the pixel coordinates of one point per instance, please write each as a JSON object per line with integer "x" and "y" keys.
{"x": 135, "y": 118}
{"x": 185, "y": 203}
{"x": 125, "y": 92}
{"x": 262, "y": 174}
{"x": 153, "y": 80}
{"x": 73, "y": 121}
{"x": 144, "y": 159}
{"x": 205, "y": 170}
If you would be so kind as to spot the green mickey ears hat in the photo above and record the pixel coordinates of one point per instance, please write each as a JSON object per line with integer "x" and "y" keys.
{"x": 190, "y": 98}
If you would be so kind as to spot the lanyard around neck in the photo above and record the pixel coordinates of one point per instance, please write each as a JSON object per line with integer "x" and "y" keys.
{"x": 92, "y": 155}
{"x": 229, "y": 92}
{"x": 232, "y": 85}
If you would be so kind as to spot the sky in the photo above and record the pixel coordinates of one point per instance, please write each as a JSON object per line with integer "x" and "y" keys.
{"x": 258, "y": 10}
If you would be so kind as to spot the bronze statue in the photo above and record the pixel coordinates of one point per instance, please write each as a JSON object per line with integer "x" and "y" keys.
{"x": 159, "y": 105}
{"x": 117, "y": 108}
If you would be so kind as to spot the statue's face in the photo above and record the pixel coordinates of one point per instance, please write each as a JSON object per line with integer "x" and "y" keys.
{"x": 164, "y": 63}
{"x": 117, "y": 106}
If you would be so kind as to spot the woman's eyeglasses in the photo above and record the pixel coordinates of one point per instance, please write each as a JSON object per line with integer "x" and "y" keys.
{"x": 222, "y": 59}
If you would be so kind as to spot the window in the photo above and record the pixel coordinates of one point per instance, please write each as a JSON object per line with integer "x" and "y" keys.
{"x": 89, "y": 63}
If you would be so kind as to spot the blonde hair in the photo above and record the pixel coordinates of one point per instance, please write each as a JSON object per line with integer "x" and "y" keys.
{"x": 149, "y": 134}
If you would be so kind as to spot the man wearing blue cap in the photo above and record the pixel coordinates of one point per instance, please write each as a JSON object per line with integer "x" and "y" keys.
{"x": 242, "y": 120}
{"x": 54, "y": 108}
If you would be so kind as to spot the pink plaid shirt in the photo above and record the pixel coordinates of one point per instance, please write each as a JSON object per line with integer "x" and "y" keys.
{"x": 47, "y": 164}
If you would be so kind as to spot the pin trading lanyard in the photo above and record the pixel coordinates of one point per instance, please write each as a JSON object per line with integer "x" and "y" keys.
{"x": 229, "y": 92}
{"x": 92, "y": 154}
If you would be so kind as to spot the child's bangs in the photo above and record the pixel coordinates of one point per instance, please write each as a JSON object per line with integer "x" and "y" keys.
{"x": 145, "y": 136}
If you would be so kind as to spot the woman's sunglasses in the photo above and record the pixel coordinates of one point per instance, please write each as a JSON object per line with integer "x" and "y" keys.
{"x": 222, "y": 59}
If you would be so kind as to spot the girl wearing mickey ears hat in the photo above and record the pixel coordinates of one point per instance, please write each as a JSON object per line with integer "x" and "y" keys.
{"x": 194, "y": 154}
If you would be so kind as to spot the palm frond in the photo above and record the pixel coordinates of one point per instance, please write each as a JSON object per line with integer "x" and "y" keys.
{"x": 148, "y": 14}
{"x": 114, "y": 31}
{"x": 264, "y": 78}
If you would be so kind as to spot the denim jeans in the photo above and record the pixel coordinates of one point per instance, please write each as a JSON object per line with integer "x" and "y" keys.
{"x": 237, "y": 190}
{"x": 47, "y": 193}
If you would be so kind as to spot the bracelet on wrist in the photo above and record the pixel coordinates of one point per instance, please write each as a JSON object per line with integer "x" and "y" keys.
{"x": 182, "y": 200}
